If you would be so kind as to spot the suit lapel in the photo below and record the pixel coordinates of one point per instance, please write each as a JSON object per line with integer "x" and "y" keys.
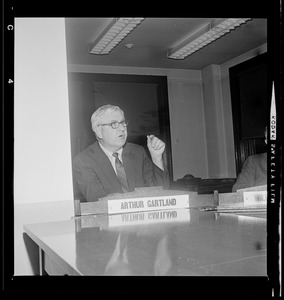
{"x": 129, "y": 163}
{"x": 105, "y": 166}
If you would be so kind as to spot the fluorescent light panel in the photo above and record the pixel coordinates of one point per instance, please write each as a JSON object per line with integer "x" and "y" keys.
{"x": 113, "y": 34}
{"x": 205, "y": 36}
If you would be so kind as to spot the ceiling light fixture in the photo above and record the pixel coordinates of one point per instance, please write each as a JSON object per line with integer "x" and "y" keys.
{"x": 113, "y": 34}
{"x": 205, "y": 36}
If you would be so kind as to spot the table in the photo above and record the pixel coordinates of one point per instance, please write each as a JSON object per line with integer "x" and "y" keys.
{"x": 185, "y": 242}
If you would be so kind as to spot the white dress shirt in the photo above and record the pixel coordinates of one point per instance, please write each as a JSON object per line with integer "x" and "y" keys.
{"x": 109, "y": 154}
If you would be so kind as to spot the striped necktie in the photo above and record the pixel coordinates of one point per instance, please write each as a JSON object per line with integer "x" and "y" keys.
{"x": 121, "y": 173}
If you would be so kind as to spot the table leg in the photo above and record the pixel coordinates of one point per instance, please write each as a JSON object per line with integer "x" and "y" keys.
{"x": 41, "y": 262}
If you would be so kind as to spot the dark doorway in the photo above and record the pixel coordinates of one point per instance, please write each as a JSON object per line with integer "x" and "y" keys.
{"x": 250, "y": 107}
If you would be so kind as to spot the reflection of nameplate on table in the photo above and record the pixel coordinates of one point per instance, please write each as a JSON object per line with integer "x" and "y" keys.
{"x": 140, "y": 218}
{"x": 149, "y": 217}
{"x": 142, "y": 199}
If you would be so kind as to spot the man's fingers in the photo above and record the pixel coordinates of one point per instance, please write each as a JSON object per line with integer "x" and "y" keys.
{"x": 154, "y": 142}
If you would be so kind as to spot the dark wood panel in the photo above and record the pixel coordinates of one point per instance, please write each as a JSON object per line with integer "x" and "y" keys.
{"x": 205, "y": 186}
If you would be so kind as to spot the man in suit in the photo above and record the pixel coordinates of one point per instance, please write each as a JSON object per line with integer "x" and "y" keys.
{"x": 254, "y": 171}
{"x": 98, "y": 172}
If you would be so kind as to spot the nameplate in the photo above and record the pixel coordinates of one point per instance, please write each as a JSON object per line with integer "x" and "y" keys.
{"x": 255, "y": 198}
{"x": 147, "y": 203}
{"x": 149, "y": 217}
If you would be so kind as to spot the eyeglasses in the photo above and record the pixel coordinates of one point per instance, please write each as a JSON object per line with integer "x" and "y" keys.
{"x": 115, "y": 125}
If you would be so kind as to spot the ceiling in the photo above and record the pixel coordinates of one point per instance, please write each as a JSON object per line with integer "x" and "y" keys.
{"x": 154, "y": 37}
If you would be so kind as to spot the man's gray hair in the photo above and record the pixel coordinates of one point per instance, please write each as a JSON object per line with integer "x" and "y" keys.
{"x": 102, "y": 111}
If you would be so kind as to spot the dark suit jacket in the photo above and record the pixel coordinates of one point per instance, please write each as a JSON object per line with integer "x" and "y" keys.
{"x": 96, "y": 178}
{"x": 254, "y": 172}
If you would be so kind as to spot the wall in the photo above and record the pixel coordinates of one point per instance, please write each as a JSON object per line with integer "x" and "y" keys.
{"x": 213, "y": 115}
{"x": 41, "y": 120}
{"x": 189, "y": 145}
{"x": 42, "y": 158}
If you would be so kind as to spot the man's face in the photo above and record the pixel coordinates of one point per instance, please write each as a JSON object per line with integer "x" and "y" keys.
{"x": 112, "y": 139}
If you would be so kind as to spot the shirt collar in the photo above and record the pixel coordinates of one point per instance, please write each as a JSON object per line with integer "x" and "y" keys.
{"x": 109, "y": 153}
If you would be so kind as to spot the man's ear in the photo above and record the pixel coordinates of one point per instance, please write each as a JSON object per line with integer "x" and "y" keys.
{"x": 98, "y": 132}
